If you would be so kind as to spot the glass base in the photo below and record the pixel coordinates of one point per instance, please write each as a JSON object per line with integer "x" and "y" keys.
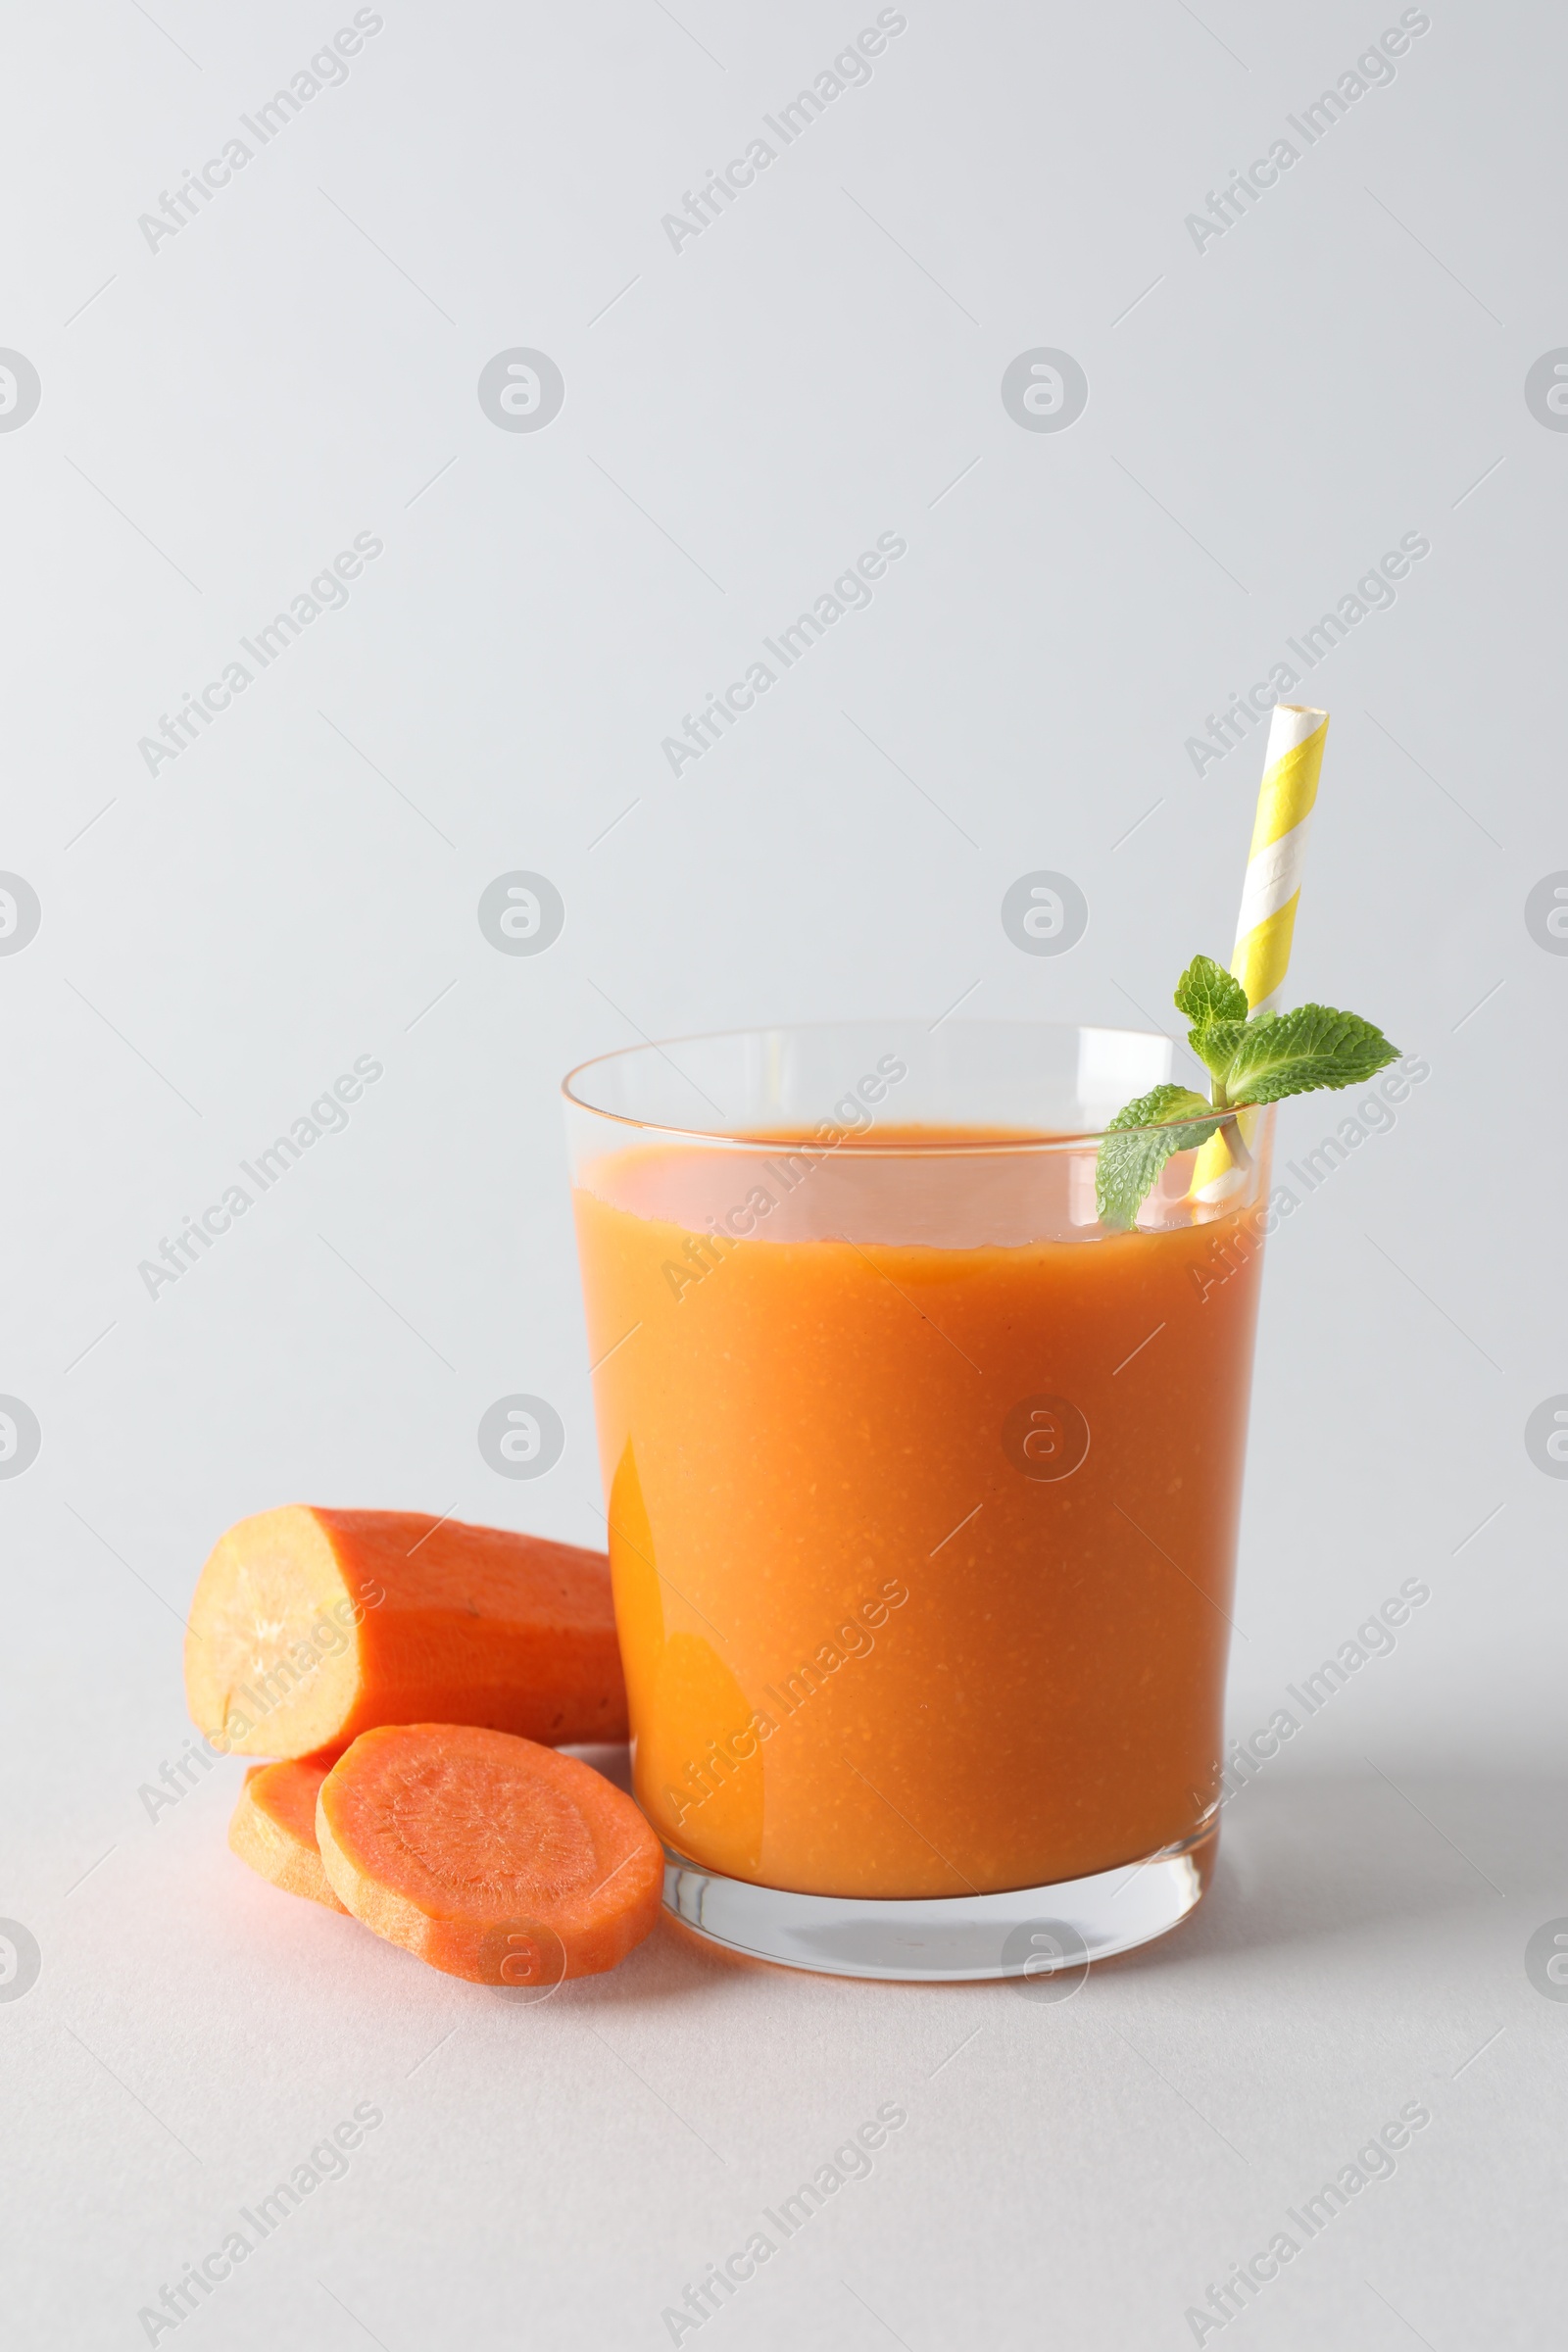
{"x": 1044, "y": 1935}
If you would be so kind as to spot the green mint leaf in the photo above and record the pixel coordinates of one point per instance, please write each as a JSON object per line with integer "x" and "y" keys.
{"x": 1217, "y": 1048}
{"x": 1295, "y": 1053}
{"x": 1139, "y": 1141}
{"x": 1216, "y": 1006}
{"x": 1206, "y": 991}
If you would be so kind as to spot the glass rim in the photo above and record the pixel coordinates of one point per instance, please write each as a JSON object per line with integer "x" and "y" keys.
{"x": 950, "y": 1146}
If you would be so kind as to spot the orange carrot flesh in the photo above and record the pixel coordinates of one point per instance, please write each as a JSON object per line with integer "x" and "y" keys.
{"x": 309, "y": 1627}
{"x": 488, "y": 1856}
{"x": 273, "y": 1828}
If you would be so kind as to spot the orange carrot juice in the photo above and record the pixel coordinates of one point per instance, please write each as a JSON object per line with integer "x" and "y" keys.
{"x": 923, "y": 1491}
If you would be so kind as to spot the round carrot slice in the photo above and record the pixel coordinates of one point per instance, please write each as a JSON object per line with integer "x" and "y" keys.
{"x": 487, "y": 1855}
{"x": 274, "y": 1827}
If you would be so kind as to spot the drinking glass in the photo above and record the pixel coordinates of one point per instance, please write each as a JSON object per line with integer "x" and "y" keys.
{"x": 922, "y": 1486}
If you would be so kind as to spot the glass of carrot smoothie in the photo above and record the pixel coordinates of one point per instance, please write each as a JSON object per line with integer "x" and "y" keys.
{"x": 922, "y": 1486}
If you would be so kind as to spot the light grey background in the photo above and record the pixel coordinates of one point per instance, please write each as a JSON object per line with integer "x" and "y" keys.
{"x": 1266, "y": 416}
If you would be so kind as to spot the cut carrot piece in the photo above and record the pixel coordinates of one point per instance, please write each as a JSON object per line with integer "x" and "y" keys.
{"x": 309, "y": 1627}
{"x": 487, "y": 1855}
{"x": 273, "y": 1828}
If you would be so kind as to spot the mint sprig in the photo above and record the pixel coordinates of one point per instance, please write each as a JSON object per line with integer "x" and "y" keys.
{"x": 1249, "y": 1062}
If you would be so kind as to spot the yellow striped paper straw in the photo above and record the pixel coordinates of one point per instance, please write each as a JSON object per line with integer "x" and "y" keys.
{"x": 1270, "y": 895}
{"x": 1272, "y": 889}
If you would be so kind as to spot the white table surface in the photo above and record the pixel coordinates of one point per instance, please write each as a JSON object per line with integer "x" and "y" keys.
{"x": 220, "y": 413}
